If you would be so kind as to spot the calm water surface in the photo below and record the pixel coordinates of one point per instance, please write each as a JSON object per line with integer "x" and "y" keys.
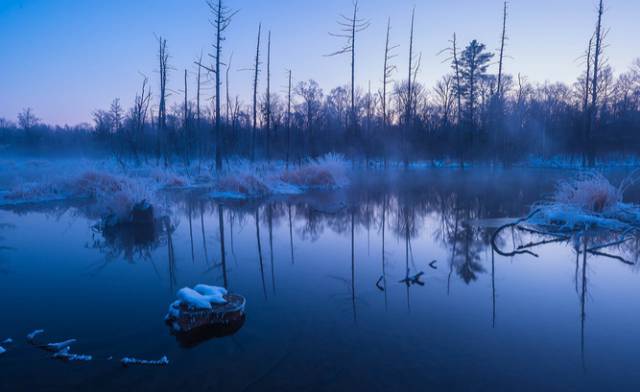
{"x": 326, "y": 308}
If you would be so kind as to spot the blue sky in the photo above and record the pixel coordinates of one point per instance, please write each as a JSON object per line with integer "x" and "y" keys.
{"x": 66, "y": 58}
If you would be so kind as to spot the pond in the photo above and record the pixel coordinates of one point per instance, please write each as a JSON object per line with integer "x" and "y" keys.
{"x": 388, "y": 284}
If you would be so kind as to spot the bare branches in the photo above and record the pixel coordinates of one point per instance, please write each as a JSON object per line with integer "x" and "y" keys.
{"x": 503, "y": 40}
{"x": 412, "y": 70}
{"x": 256, "y": 70}
{"x": 163, "y": 57}
{"x": 388, "y": 71}
{"x": 221, "y": 19}
{"x": 349, "y": 27}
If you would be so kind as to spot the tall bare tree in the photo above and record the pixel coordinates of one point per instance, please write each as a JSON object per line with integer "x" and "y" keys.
{"x": 221, "y": 20}
{"x": 288, "y": 121}
{"x": 256, "y": 73}
{"x": 388, "y": 71}
{"x": 409, "y": 103}
{"x": 163, "y": 57}
{"x": 227, "y": 82}
{"x": 198, "y": 84}
{"x": 597, "y": 55}
{"x": 268, "y": 96}
{"x": 503, "y": 40}
{"x": 349, "y": 27}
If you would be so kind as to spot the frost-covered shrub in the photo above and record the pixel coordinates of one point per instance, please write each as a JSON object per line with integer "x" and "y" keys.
{"x": 328, "y": 171}
{"x": 168, "y": 179}
{"x": 92, "y": 183}
{"x": 587, "y": 202}
{"x": 243, "y": 184}
{"x": 590, "y": 192}
{"x": 114, "y": 196}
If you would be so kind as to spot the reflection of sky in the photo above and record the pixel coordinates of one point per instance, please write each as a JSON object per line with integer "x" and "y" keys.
{"x": 66, "y": 58}
{"x": 308, "y": 313}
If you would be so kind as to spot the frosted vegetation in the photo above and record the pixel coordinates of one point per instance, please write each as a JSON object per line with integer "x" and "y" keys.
{"x": 586, "y": 211}
{"x": 113, "y": 190}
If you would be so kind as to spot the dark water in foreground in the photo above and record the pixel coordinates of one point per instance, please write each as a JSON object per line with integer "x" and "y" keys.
{"x": 316, "y": 320}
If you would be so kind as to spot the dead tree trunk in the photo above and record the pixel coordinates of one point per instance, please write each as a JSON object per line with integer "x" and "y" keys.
{"x": 221, "y": 19}
{"x": 163, "y": 57}
{"x": 268, "y": 97}
{"x": 409, "y": 103}
{"x": 288, "y": 122}
{"x": 185, "y": 121}
{"x": 585, "y": 103}
{"x": 198, "y": 82}
{"x": 256, "y": 70}
{"x": 349, "y": 27}
{"x": 386, "y": 75}
{"x": 597, "y": 54}
{"x": 502, "y": 45}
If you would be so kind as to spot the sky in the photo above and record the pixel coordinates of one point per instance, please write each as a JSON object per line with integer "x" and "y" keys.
{"x": 67, "y": 58}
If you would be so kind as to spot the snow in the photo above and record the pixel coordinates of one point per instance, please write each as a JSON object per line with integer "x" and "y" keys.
{"x": 193, "y": 299}
{"x": 2, "y": 350}
{"x": 213, "y": 294}
{"x": 126, "y": 361}
{"x": 7, "y": 341}
{"x": 200, "y": 297}
{"x": 32, "y": 335}
{"x": 587, "y": 202}
{"x": 59, "y": 346}
{"x": 66, "y": 355}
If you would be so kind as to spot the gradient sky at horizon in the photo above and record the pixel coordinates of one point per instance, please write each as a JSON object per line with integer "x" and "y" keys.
{"x": 66, "y": 58}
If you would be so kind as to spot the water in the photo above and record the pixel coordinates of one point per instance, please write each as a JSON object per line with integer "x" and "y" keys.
{"x": 312, "y": 270}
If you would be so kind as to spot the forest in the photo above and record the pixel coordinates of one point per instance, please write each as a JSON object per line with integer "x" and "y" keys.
{"x": 479, "y": 112}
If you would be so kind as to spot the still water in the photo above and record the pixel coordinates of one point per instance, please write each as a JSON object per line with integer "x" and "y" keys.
{"x": 326, "y": 305}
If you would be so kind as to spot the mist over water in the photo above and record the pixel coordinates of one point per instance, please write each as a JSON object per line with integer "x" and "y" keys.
{"x": 326, "y": 305}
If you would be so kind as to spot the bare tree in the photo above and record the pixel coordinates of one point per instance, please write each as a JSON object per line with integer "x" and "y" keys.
{"x": 597, "y": 54}
{"x": 163, "y": 58}
{"x": 221, "y": 20}
{"x": 268, "y": 96}
{"x": 256, "y": 73}
{"x": 349, "y": 27}
{"x": 117, "y": 114}
{"x": 288, "y": 121}
{"x": 27, "y": 119}
{"x": 456, "y": 67}
{"x": 198, "y": 84}
{"x": 138, "y": 117}
{"x": 502, "y": 47}
{"x": 227, "y": 82}
{"x": 388, "y": 71}
{"x": 412, "y": 69}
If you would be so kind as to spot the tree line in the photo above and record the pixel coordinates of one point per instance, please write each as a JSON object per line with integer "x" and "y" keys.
{"x": 476, "y": 112}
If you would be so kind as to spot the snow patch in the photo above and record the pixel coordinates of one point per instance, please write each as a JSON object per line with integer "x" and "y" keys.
{"x": 127, "y": 361}
{"x": 66, "y": 355}
{"x": 58, "y": 346}
{"x": 32, "y": 335}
